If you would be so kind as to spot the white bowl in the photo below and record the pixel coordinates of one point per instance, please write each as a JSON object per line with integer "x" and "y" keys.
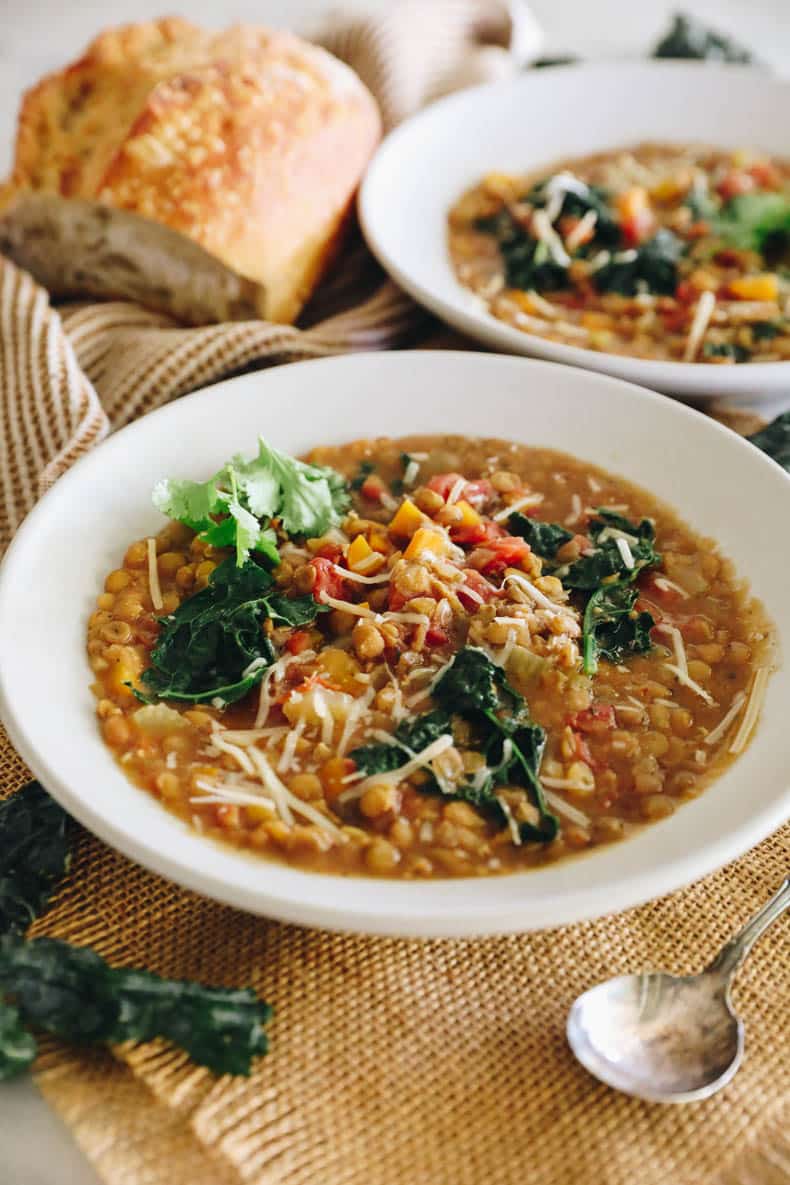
{"x": 80, "y": 529}
{"x": 530, "y": 122}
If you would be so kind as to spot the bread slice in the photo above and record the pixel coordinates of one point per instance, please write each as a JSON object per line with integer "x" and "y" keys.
{"x": 207, "y": 175}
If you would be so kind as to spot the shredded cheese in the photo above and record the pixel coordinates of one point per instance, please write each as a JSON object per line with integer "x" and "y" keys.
{"x": 544, "y": 231}
{"x": 355, "y": 713}
{"x": 456, "y": 491}
{"x": 238, "y": 754}
{"x": 515, "y": 834}
{"x": 625, "y": 553}
{"x": 579, "y": 233}
{"x": 410, "y": 472}
{"x": 576, "y": 510}
{"x": 564, "y": 808}
{"x": 358, "y": 578}
{"x": 346, "y": 606}
{"x": 519, "y": 504}
{"x": 684, "y": 678}
{"x": 538, "y": 597}
{"x": 421, "y": 760}
{"x": 756, "y": 698}
{"x": 718, "y": 732}
{"x": 153, "y": 576}
{"x": 699, "y": 325}
{"x": 677, "y": 644}
{"x": 666, "y": 584}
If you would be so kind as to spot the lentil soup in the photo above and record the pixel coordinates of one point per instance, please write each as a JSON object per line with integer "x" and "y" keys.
{"x": 495, "y": 657}
{"x": 661, "y": 251}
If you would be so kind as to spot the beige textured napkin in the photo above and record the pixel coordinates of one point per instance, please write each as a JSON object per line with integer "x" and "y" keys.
{"x": 392, "y": 1063}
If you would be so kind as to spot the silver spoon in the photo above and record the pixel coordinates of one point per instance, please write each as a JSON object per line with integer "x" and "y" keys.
{"x": 669, "y": 1038}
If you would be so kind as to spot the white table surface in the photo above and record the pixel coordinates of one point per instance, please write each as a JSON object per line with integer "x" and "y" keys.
{"x": 40, "y": 35}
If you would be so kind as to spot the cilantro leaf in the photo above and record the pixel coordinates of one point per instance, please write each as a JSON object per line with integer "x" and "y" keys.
{"x": 755, "y": 222}
{"x": 214, "y": 646}
{"x": 545, "y": 539}
{"x": 612, "y": 627}
{"x": 234, "y": 508}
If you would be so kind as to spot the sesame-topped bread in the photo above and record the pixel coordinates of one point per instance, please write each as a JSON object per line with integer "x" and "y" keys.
{"x": 204, "y": 174}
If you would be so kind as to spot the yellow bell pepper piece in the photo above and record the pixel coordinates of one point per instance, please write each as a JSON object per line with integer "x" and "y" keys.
{"x": 762, "y": 287}
{"x": 407, "y": 519}
{"x": 469, "y": 516}
{"x": 427, "y": 539}
{"x": 358, "y": 551}
{"x": 379, "y": 542}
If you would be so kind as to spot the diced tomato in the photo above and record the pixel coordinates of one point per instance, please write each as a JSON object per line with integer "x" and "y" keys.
{"x": 435, "y": 636}
{"x": 373, "y": 488}
{"x": 442, "y": 483}
{"x": 396, "y": 600}
{"x": 568, "y": 225}
{"x": 298, "y": 641}
{"x": 698, "y": 229}
{"x": 478, "y": 584}
{"x": 478, "y": 533}
{"x": 766, "y": 174}
{"x": 498, "y": 554}
{"x": 583, "y": 751}
{"x": 328, "y": 581}
{"x": 734, "y": 183}
{"x": 638, "y": 227}
{"x": 473, "y": 492}
{"x": 331, "y": 551}
{"x": 686, "y": 293}
{"x": 478, "y": 492}
{"x": 595, "y": 719}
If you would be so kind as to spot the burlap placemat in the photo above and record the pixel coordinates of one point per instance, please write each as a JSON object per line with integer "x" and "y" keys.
{"x": 393, "y": 1062}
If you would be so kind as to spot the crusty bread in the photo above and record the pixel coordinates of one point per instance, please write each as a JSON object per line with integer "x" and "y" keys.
{"x": 248, "y": 144}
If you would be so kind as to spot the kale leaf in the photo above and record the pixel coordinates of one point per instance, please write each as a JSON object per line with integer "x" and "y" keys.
{"x": 410, "y": 735}
{"x": 213, "y": 646}
{"x": 774, "y": 439}
{"x": 545, "y": 539}
{"x": 652, "y": 265}
{"x": 589, "y": 571}
{"x": 235, "y": 507}
{"x": 612, "y": 628}
{"x": 72, "y": 992}
{"x": 17, "y": 1046}
{"x": 578, "y": 199}
{"x": 476, "y": 689}
{"x": 528, "y": 262}
{"x": 764, "y": 330}
{"x": 690, "y": 38}
{"x": 726, "y": 350}
{"x": 35, "y": 840}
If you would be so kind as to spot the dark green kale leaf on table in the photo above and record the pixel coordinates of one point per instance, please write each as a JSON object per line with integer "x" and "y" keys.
{"x": 71, "y": 991}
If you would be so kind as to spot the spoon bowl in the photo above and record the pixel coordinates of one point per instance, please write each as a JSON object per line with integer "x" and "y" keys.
{"x": 669, "y": 1038}
{"x": 666, "y": 1038}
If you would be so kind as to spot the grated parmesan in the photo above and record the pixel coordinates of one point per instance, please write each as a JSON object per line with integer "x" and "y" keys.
{"x": 718, "y": 732}
{"x": 153, "y": 575}
{"x": 699, "y": 325}
{"x": 756, "y": 698}
{"x": 519, "y": 504}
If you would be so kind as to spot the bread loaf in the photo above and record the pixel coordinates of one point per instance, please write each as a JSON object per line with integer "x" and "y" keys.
{"x": 207, "y": 175}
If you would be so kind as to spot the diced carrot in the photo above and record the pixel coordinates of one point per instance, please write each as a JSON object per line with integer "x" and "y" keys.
{"x": 358, "y": 551}
{"x": 764, "y": 286}
{"x": 298, "y": 641}
{"x": 734, "y": 183}
{"x": 427, "y": 539}
{"x": 406, "y": 520}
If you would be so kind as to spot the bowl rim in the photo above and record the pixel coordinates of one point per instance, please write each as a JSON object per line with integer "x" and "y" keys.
{"x": 433, "y": 920}
{"x": 479, "y": 322}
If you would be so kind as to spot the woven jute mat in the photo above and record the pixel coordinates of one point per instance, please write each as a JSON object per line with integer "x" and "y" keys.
{"x": 393, "y": 1062}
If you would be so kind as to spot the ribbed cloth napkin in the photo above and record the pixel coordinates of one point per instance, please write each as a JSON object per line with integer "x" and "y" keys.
{"x": 393, "y": 1062}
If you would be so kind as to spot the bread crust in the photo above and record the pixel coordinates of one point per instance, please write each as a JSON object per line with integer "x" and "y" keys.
{"x": 250, "y": 143}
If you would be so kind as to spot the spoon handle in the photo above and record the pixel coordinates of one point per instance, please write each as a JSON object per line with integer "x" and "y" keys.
{"x": 732, "y": 955}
